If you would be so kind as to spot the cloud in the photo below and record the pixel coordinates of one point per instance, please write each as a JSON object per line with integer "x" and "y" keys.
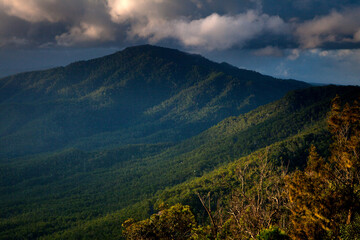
{"x": 342, "y": 65}
{"x": 339, "y": 54}
{"x": 266, "y": 26}
{"x": 13, "y": 41}
{"x": 335, "y": 28}
{"x": 123, "y": 10}
{"x": 83, "y": 33}
{"x": 55, "y": 22}
{"x": 29, "y": 10}
{"x": 282, "y": 71}
{"x": 294, "y": 54}
{"x": 47, "y": 10}
{"x": 74, "y": 23}
{"x": 269, "y": 51}
{"x": 212, "y": 32}
{"x": 187, "y": 22}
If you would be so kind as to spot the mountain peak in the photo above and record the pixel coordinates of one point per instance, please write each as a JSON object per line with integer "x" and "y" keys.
{"x": 152, "y": 48}
{"x": 148, "y": 47}
{"x": 146, "y": 87}
{"x": 162, "y": 52}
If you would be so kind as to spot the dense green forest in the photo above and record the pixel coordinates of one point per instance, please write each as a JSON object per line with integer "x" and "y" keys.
{"x": 259, "y": 199}
{"x": 154, "y": 143}
{"x": 143, "y": 94}
{"x": 78, "y": 194}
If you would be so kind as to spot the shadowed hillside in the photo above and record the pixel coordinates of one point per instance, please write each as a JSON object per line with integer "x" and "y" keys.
{"x": 70, "y": 193}
{"x": 143, "y": 94}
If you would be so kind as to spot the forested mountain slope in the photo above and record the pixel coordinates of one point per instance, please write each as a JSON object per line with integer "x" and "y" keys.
{"x": 143, "y": 94}
{"x": 67, "y": 193}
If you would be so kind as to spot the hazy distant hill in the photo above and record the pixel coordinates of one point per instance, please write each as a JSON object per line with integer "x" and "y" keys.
{"x": 143, "y": 94}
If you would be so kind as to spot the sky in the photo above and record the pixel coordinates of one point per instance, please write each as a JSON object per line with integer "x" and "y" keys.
{"x": 315, "y": 41}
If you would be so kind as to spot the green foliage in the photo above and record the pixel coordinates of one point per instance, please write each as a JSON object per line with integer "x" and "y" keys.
{"x": 351, "y": 231}
{"x": 176, "y": 222}
{"x": 143, "y": 94}
{"x": 273, "y": 233}
{"x": 76, "y": 193}
{"x": 326, "y": 194}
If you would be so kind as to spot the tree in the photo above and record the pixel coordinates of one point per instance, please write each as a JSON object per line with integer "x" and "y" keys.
{"x": 310, "y": 198}
{"x": 258, "y": 203}
{"x": 345, "y": 159}
{"x": 326, "y": 194}
{"x": 176, "y": 222}
{"x": 272, "y": 233}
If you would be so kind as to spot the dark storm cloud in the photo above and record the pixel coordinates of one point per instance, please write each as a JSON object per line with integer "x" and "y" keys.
{"x": 203, "y": 24}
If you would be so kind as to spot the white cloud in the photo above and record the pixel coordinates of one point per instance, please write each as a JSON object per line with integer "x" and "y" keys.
{"x": 212, "y": 32}
{"x": 123, "y": 10}
{"x": 83, "y": 33}
{"x": 337, "y": 27}
{"x": 156, "y": 20}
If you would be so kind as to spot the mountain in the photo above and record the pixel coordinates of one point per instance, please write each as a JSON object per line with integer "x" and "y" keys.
{"x": 143, "y": 94}
{"x": 87, "y": 194}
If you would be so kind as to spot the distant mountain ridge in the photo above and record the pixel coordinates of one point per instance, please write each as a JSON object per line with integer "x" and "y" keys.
{"x": 141, "y": 94}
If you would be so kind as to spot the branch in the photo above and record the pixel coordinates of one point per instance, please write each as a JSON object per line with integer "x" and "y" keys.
{"x": 208, "y": 210}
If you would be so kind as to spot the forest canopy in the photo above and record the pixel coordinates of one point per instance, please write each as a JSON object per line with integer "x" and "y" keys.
{"x": 319, "y": 202}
